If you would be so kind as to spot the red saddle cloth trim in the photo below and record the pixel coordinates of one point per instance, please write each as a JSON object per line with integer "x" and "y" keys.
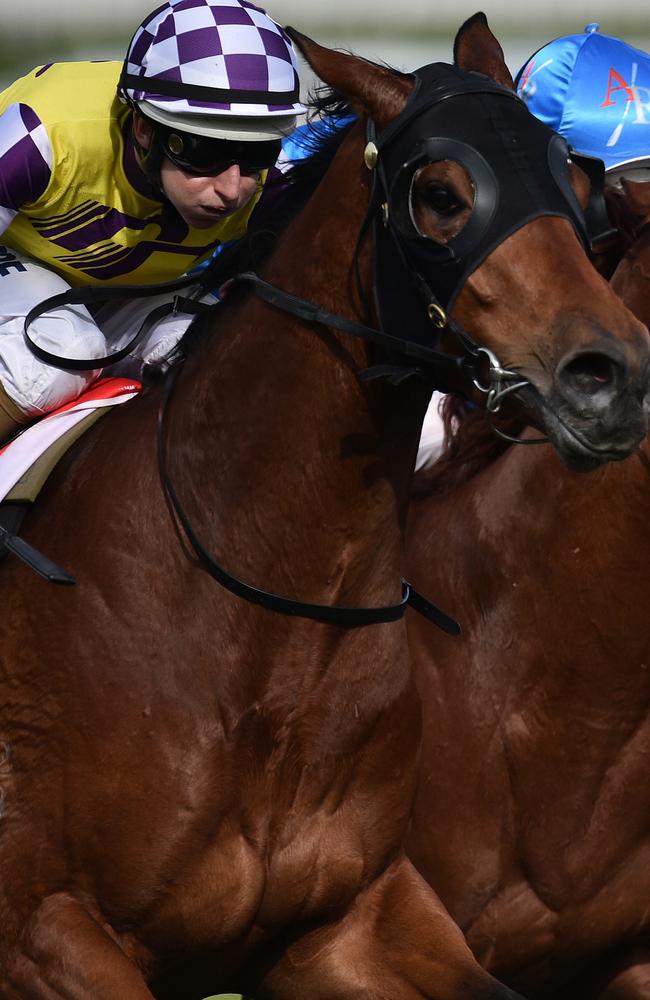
{"x": 105, "y": 388}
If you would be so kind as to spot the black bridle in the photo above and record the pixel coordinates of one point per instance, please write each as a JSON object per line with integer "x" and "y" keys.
{"x": 404, "y": 260}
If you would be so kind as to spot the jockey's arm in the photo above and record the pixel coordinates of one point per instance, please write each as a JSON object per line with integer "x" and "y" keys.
{"x": 25, "y": 161}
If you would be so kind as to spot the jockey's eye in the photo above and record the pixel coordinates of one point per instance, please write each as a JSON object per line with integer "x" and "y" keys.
{"x": 441, "y": 200}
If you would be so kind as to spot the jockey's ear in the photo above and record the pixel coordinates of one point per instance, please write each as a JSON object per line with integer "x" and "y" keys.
{"x": 142, "y": 130}
{"x": 476, "y": 49}
{"x": 374, "y": 90}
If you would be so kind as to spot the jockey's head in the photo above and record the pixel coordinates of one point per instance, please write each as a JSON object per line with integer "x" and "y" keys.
{"x": 214, "y": 87}
{"x": 595, "y": 90}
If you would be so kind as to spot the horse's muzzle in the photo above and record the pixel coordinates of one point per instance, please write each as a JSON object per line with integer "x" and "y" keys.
{"x": 597, "y": 408}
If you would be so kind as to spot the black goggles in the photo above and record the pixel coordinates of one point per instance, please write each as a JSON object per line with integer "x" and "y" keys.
{"x": 204, "y": 156}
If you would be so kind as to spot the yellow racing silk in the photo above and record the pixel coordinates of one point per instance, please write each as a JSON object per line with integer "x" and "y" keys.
{"x": 98, "y": 219}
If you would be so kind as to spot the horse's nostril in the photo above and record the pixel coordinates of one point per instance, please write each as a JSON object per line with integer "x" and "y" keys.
{"x": 590, "y": 373}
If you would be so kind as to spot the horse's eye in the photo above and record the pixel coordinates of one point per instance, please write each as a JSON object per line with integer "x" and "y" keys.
{"x": 441, "y": 200}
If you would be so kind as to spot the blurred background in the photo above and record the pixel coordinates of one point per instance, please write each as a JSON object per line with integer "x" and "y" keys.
{"x": 404, "y": 34}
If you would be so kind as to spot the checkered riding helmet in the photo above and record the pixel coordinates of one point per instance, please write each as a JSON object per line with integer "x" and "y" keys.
{"x": 215, "y": 68}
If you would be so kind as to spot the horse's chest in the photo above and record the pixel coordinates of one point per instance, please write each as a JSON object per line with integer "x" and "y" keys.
{"x": 299, "y": 867}
{"x": 234, "y": 891}
{"x": 320, "y": 866}
{"x": 300, "y": 832}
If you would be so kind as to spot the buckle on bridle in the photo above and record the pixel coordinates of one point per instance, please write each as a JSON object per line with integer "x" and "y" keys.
{"x": 437, "y": 315}
{"x": 370, "y": 155}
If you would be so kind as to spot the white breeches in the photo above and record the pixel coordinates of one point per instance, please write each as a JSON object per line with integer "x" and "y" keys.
{"x": 433, "y": 433}
{"x": 71, "y": 332}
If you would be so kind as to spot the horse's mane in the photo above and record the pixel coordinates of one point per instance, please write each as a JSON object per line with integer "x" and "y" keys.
{"x": 470, "y": 445}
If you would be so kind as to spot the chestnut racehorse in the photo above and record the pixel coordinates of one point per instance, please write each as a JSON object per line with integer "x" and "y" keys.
{"x": 199, "y": 793}
{"x": 532, "y": 817}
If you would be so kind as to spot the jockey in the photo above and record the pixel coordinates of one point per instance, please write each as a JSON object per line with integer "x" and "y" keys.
{"x": 595, "y": 91}
{"x": 131, "y": 174}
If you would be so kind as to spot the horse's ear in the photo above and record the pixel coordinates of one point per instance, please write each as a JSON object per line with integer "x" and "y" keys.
{"x": 476, "y": 49}
{"x": 369, "y": 89}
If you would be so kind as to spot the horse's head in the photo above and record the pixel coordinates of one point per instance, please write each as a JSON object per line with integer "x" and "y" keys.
{"x": 630, "y": 209}
{"x": 480, "y": 240}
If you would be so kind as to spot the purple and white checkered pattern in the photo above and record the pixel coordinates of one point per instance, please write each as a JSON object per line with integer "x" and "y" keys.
{"x": 25, "y": 160}
{"x": 223, "y": 44}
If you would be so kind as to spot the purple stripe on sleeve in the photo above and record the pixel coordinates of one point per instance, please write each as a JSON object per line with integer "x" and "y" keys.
{"x": 24, "y": 174}
{"x": 29, "y": 117}
{"x": 24, "y": 157}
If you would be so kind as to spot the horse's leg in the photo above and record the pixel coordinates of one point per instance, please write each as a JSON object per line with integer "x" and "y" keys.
{"x": 397, "y": 943}
{"x": 65, "y": 953}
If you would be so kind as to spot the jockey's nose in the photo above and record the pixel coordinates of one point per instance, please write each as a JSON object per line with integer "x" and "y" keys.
{"x": 227, "y": 184}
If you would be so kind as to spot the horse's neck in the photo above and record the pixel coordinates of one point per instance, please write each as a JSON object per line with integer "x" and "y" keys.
{"x": 550, "y": 501}
{"x": 578, "y": 544}
{"x": 547, "y": 570}
{"x": 305, "y": 471}
{"x": 526, "y": 514}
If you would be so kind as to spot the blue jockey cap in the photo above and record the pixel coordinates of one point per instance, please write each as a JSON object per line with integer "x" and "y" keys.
{"x": 595, "y": 91}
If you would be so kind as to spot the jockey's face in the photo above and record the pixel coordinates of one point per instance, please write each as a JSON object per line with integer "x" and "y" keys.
{"x": 202, "y": 201}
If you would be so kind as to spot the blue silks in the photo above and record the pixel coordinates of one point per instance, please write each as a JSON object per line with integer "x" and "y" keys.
{"x": 302, "y": 142}
{"x": 595, "y": 91}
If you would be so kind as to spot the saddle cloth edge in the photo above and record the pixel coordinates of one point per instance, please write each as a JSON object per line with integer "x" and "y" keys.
{"x": 27, "y": 460}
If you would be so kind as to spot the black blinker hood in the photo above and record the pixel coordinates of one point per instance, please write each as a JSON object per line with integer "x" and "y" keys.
{"x": 519, "y": 168}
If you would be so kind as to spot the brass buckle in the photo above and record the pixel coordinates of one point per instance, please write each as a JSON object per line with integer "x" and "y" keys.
{"x": 370, "y": 156}
{"x": 437, "y": 314}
